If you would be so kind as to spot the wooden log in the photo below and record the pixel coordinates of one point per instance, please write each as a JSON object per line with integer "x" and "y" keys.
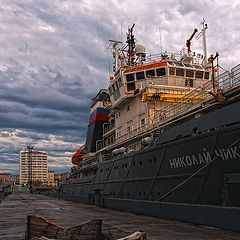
{"x": 38, "y": 227}
{"x": 135, "y": 236}
{"x": 88, "y": 230}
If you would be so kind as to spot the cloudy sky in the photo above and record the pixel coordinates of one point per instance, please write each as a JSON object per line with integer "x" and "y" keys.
{"x": 54, "y": 59}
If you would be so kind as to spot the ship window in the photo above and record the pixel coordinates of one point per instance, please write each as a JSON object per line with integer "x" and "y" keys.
{"x": 199, "y": 74}
{"x": 131, "y": 86}
{"x": 161, "y": 71}
{"x": 143, "y": 122}
{"x": 171, "y": 71}
{"x": 150, "y": 73}
{"x": 113, "y": 87}
{"x": 189, "y": 73}
{"x": 189, "y": 82}
{"x": 206, "y": 76}
{"x": 128, "y": 108}
{"x": 140, "y": 75}
{"x": 110, "y": 90}
{"x": 130, "y": 77}
{"x": 179, "y": 72}
{"x": 116, "y": 84}
{"x": 119, "y": 82}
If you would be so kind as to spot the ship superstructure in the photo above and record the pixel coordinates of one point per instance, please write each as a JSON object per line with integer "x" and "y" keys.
{"x": 143, "y": 89}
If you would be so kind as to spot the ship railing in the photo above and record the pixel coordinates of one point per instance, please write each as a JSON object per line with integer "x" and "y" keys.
{"x": 151, "y": 81}
{"x": 158, "y": 81}
{"x": 178, "y": 56}
{"x": 108, "y": 127}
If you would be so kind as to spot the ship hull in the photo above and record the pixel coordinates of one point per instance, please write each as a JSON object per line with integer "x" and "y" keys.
{"x": 152, "y": 173}
{"x": 199, "y": 169}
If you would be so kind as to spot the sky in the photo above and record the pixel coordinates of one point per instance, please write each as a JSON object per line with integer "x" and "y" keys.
{"x": 54, "y": 58}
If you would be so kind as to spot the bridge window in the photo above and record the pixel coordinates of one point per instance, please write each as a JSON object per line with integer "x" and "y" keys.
{"x": 130, "y": 77}
{"x": 150, "y": 73}
{"x": 189, "y": 82}
{"x": 140, "y": 75}
{"x": 206, "y": 76}
{"x": 161, "y": 72}
{"x": 180, "y": 72}
{"x": 199, "y": 74}
{"x": 130, "y": 82}
{"x": 189, "y": 73}
{"x": 119, "y": 82}
{"x": 110, "y": 90}
{"x": 171, "y": 71}
{"x": 131, "y": 86}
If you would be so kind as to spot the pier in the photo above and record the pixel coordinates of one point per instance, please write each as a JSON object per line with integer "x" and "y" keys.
{"x": 16, "y": 207}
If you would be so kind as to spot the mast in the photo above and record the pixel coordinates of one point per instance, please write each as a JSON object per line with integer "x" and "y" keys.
{"x": 131, "y": 45}
{"x": 204, "y": 28}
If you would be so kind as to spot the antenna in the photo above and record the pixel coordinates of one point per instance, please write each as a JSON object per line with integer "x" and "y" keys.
{"x": 131, "y": 45}
{"x": 121, "y": 30}
{"x": 204, "y": 28}
{"x": 160, "y": 39}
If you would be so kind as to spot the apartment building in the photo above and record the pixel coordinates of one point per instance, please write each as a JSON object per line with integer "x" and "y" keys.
{"x": 33, "y": 166}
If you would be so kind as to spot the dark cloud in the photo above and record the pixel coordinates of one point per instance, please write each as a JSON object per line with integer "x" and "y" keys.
{"x": 54, "y": 59}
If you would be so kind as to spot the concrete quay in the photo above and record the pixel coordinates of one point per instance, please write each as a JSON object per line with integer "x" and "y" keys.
{"x": 15, "y": 208}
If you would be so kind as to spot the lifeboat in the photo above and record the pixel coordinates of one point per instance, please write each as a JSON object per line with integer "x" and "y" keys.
{"x": 78, "y": 156}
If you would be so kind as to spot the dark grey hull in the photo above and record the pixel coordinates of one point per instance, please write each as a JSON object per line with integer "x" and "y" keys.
{"x": 184, "y": 168}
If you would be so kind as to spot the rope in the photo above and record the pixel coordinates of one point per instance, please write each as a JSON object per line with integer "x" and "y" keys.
{"x": 222, "y": 68}
{"x": 194, "y": 174}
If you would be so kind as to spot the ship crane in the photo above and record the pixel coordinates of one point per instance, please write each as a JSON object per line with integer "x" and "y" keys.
{"x": 188, "y": 43}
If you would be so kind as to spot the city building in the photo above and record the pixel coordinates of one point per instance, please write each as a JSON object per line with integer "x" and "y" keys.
{"x": 62, "y": 177}
{"x": 15, "y": 179}
{"x": 33, "y": 167}
{"x": 51, "y": 179}
{"x": 5, "y": 177}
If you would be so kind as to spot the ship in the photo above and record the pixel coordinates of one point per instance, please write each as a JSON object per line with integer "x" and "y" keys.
{"x": 164, "y": 138}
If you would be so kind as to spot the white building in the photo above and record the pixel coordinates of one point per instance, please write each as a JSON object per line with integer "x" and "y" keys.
{"x": 33, "y": 166}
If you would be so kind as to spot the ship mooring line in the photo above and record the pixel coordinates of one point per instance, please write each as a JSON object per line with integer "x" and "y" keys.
{"x": 195, "y": 173}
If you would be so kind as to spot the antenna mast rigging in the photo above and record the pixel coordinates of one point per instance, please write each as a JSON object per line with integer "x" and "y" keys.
{"x": 131, "y": 45}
